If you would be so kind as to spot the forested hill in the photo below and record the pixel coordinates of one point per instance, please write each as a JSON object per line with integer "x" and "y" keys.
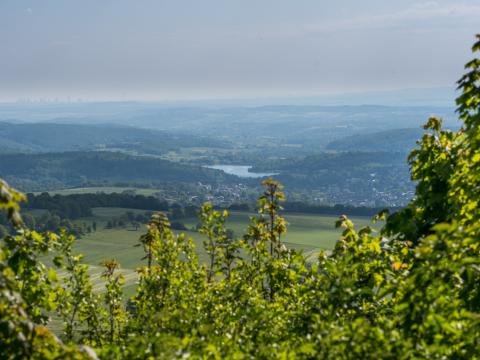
{"x": 334, "y": 161}
{"x": 397, "y": 140}
{"x": 50, "y": 137}
{"x": 37, "y": 172}
{"x": 367, "y": 178}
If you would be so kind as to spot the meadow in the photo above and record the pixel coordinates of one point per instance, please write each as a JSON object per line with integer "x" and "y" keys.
{"x": 306, "y": 232}
{"x": 102, "y": 189}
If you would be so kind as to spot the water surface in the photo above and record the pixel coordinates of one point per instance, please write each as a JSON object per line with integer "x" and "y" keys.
{"x": 240, "y": 171}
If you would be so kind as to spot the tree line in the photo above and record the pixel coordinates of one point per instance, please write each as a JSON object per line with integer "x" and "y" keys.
{"x": 76, "y": 206}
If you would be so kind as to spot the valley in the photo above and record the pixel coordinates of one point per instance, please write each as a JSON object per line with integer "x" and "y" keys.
{"x": 352, "y": 155}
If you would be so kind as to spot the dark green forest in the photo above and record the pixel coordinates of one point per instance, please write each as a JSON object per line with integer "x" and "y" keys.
{"x": 410, "y": 290}
{"x": 38, "y": 172}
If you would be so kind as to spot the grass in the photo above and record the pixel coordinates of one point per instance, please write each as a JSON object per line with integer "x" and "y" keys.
{"x": 106, "y": 190}
{"x": 306, "y": 232}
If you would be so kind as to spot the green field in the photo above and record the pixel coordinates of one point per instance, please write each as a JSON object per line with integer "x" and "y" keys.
{"x": 305, "y": 230}
{"x": 103, "y": 189}
{"x": 308, "y": 233}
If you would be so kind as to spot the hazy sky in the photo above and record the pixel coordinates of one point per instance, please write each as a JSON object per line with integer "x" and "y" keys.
{"x": 159, "y": 49}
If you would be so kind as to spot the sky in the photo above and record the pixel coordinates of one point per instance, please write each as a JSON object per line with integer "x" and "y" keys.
{"x": 207, "y": 49}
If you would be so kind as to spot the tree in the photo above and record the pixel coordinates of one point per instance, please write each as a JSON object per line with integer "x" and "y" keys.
{"x": 136, "y": 225}
{"x": 113, "y": 299}
{"x": 3, "y": 231}
{"x": 213, "y": 227}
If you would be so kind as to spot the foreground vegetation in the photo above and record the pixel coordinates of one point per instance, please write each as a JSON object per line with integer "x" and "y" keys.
{"x": 307, "y": 233}
{"x": 410, "y": 291}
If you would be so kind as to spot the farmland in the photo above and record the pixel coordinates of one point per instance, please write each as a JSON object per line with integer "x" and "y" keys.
{"x": 102, "y": 189}
{"x": 306, "y": 232}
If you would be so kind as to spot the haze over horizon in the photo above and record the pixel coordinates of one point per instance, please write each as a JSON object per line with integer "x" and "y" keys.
{"x": 187, "y": 50}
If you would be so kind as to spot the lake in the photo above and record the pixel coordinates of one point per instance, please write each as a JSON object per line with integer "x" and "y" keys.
{"x": 239, "y": 170}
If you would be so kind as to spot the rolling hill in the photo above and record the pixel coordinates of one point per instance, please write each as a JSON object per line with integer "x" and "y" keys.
{"x": 396, "y": 140}
{"x": 52, "y": 137}
{"x": 34, "y": 172}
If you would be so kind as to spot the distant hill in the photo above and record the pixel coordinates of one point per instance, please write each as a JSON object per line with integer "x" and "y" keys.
{"x": 279, "y": 127}
{"x": 366, "y": 178}
{"x": 39, "y": 172}
{"x": 51, "y": 137}
{"x": 397, "y": 140}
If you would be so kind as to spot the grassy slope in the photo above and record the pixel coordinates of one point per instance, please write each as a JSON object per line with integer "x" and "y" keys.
{"x": 306, "y": 232}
